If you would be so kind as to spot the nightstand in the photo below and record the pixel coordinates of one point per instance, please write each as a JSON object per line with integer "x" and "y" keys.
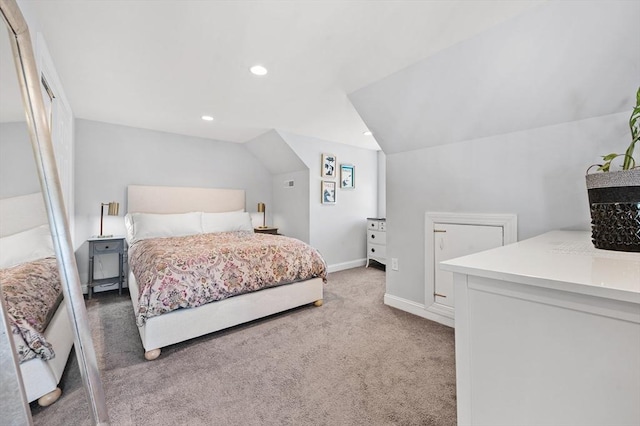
{"x": 267, "y": 230}
{"x": 106, "y": 245}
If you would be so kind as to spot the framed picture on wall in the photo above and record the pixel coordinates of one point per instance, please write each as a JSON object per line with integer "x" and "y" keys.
{"x": 329, "y": 165}
{"x": 347, "y": 176}
{"x": 328, "y": 191}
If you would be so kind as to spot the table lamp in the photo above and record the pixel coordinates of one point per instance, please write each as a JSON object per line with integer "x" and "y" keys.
{"x": 112, "y": 211}
{"x": 262, "y": 209}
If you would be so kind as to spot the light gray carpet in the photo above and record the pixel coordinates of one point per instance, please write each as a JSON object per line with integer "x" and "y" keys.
{"x": 353, "y": 361}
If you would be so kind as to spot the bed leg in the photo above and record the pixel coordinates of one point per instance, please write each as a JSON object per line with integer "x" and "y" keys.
{"x": 318, "y": 302}
{"x": 152, "y": 354}
{"x": 49, "y": 398}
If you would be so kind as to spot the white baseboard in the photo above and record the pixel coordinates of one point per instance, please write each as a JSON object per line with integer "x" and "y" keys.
{"x": 346, "y": 265}
{"x": 416, "y": 309}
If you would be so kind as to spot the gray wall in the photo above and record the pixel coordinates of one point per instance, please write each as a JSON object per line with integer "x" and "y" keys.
{"x": 18, "y": 173}
{"x": 515, "y": 173}
{"x": 339, "y": 231}
{"x": 382, "y": 184}
{"x": 506, "y": 122}
{"x": 109, "y": 157}
{"x": 289, "y": 211}
{"x": 291, "y": 204}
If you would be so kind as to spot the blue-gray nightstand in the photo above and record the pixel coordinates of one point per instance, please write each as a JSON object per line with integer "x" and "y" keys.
{"x": 106, "y": 245}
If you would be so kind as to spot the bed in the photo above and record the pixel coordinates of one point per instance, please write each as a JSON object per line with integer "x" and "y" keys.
{"x": 183, "y": 217}
{"x": 27, "y": 256}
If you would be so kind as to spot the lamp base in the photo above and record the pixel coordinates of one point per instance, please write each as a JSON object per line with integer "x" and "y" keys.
{"x": 262, "y": 227}
{"x": 104, "y": 236}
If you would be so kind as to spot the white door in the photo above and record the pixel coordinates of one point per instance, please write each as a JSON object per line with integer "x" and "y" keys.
{"x": 450, "y": 241}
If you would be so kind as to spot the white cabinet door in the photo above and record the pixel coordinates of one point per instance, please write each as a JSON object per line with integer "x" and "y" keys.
{"x": 451, "y": 240}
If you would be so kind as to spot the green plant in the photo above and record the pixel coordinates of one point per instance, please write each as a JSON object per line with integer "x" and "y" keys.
{"x": 634, "y": 125}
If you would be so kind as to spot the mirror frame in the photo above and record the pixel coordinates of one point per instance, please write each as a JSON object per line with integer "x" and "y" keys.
{"x": 39, "y": 133}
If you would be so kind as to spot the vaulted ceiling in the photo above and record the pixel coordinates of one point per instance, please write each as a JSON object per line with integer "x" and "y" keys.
{"x": 163, "y": 64}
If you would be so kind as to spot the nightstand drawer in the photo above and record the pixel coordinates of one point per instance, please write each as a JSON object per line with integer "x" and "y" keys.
{"x": 267, "y": 230}
{"x": 377, "y": 237}
{"x": 373, "y": 225}
{"x": 377, "y": 250}
{"x": 104, "y": 247}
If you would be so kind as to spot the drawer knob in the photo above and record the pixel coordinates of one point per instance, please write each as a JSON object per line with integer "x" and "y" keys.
{"x": 106, "y": 247}
{"x": 373, "y": 237}
{"x": 373, "y": 250}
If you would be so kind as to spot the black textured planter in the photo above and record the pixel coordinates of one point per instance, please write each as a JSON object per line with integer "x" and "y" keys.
{"x": 615, "y": 210}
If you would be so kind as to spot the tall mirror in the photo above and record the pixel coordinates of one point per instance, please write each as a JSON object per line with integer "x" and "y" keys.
{"x": 42, "y": 306}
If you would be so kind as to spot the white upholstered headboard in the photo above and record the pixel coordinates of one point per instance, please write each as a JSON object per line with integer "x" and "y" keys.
{"x": 20, "y": 213}
{"x": 172, "y": 199}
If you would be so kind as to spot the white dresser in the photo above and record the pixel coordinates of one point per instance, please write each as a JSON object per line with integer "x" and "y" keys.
{"x": 376, "y": 240}
{"x": 548, "y": 333}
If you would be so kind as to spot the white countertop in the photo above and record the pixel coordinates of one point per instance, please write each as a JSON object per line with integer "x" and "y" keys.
{"x": 563, "y": 260}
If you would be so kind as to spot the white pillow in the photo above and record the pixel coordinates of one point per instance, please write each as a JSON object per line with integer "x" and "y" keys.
{"x": 226, "y": 222}
{"x": 141, "y": 226}
{"x": 26, "y": 246}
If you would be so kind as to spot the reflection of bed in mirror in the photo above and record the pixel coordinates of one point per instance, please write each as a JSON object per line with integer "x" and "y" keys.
{"x": 169, "y": 203}
{"x": 27, "y": 257}
{"x": 24, "y": 382}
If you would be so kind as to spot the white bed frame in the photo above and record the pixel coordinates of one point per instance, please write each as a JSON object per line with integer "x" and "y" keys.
{"x": 40, "y": 377}
{"x": 185, "y": 324}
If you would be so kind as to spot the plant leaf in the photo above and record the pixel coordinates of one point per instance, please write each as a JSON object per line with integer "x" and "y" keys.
{"x": 604, "y": 167}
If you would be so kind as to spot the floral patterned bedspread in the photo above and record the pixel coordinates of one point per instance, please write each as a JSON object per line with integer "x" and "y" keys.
{"x": 185, "y": 272}
{"x": 32, "y": 292}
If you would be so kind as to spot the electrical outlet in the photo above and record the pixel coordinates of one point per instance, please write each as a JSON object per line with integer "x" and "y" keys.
{"x": 394, "y": 263}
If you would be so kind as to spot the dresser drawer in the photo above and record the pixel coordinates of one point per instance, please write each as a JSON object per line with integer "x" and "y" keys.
{"x": 376, "y": 251}
{"x": 103, "y": 247}
{"x": 377, "y": 237}
{"x": 376, "y": 225}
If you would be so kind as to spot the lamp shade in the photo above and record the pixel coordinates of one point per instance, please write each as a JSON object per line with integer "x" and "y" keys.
{"x": 261, "y": 208}
{"x": 113, "y": 209}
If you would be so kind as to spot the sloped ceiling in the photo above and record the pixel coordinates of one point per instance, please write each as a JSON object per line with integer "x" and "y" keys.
{"x": 275, "y": 153}
{"x": 163, "y": 64}
{"x": 561, "y": 62}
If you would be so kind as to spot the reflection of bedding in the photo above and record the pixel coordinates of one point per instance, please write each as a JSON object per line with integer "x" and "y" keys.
{"x": 190, "y": 271}
{"x": 32, "y": 293}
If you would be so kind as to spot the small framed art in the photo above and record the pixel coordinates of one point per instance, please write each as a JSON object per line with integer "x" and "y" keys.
{"x": 328, "y": 191}
{"x": 347, "y": 176}
{"x": 329, "y": 165}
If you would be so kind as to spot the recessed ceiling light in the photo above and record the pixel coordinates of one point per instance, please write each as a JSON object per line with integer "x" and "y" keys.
{"x": 367, "y": 133}
{"x": 207, "y": 118}
{"x": 258, "y": 70}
